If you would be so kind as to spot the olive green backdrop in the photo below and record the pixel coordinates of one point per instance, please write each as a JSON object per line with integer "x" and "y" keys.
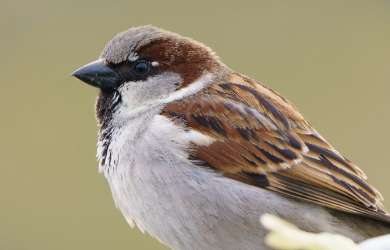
{"x": 331, "y": 58}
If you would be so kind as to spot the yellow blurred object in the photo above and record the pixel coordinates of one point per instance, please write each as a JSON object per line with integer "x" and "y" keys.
{"x": 285, "y": 236}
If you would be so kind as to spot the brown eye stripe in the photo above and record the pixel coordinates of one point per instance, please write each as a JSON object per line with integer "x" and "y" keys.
{"x": 181, "y": 56}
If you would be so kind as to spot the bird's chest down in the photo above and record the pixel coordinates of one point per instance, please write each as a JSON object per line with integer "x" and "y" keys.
{"x": 157, "y": 188}
{"x": 185, "y": 206}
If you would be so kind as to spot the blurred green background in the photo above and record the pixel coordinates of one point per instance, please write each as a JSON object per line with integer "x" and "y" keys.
{"x": 331, "y": 58}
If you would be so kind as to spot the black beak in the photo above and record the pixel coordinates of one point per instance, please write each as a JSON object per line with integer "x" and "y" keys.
{"x": 99, "y": 75}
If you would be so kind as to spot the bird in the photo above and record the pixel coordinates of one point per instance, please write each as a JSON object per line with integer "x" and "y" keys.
{"x": 195, "y": 152}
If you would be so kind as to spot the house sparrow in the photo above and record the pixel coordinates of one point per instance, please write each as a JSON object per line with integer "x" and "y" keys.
{"x": 195, "y": 152}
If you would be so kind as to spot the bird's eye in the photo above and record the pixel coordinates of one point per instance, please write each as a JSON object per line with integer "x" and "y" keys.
{"x": 141, "y": 67}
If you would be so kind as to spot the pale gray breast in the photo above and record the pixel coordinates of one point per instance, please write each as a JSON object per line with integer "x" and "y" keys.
{"x": 188, "y": 207}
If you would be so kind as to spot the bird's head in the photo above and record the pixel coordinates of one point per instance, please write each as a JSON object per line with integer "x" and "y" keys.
{"x": 145, "y": 65}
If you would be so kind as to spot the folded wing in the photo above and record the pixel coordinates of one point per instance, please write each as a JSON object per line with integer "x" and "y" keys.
{"x": 262, "y": 140}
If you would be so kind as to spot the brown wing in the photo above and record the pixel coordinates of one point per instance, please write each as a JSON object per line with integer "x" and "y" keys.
{"x": 262, "y": 140}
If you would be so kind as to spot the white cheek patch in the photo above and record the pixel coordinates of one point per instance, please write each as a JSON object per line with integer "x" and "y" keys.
{"x": 155, "y": 92}
{"x": 139, "y": 96}
{"x": 155, "y": 64}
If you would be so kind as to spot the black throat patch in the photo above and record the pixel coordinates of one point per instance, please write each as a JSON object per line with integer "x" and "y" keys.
{"x": 106, "y": 105}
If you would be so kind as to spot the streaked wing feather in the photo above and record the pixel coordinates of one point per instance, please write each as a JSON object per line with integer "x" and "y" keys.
{"x": 262, "y": 140}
